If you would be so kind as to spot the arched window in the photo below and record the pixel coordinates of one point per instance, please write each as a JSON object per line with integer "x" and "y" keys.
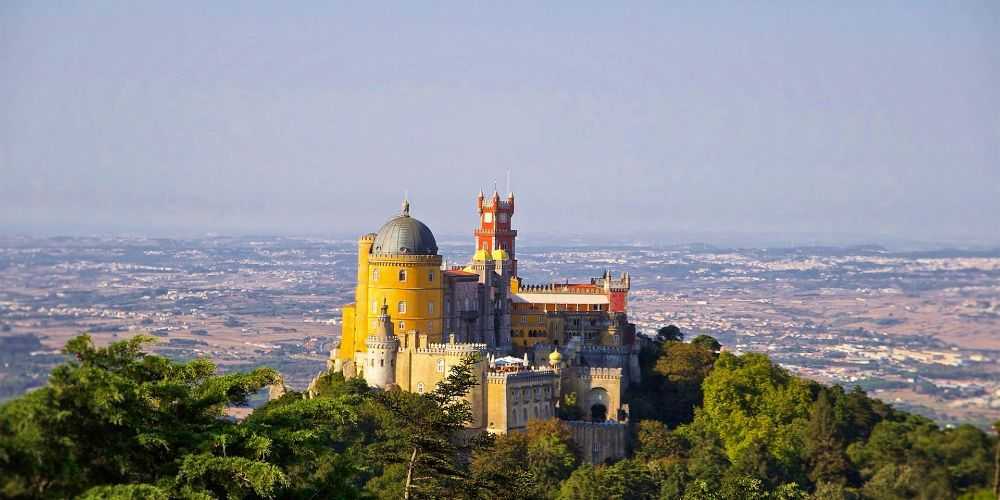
{"x": 440, "y": 366}
{"x": 401, "y": 307}
{"x": 402, "y": 325}
{"x": 375, "y": 275}
{"x": 402, "y": 275}
{"x": 524, "y": 414}
{"x": 430, "y": 276}
{"x": 430, "y": 308}
{"x": 420, "y": 388}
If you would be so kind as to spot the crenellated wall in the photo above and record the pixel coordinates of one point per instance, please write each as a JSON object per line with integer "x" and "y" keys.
{"x": 600, "y": 442}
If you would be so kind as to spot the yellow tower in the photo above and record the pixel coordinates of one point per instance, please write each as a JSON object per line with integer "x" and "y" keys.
{"x": 398, "y": 266}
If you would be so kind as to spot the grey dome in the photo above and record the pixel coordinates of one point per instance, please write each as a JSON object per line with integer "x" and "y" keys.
{"x": 404, "y": 235}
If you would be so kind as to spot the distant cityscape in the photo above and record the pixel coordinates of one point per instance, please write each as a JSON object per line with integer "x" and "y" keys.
{"x": 918, "y": 330}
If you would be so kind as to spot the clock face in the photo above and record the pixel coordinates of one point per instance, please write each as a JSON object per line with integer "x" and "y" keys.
{"x": 488, "y": 217}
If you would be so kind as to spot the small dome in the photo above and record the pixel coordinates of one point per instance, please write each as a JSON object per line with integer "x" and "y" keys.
{"x": 404, "y": 235}
{"x": 555, "y": 357}
{"x": 481, "y": 255}
{"x": 500, "y": 254}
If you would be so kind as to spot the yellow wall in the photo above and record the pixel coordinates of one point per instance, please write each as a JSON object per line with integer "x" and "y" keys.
{"x": 346, "y": 352}
{"x": 361, "y": 313}
{"x": 529, "y": 328}
{"x": 422, "y": 291}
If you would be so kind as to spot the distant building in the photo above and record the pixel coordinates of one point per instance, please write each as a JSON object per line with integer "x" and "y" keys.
{"x": 413, "y": 319}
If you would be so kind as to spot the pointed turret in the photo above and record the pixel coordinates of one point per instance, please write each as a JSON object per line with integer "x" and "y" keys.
{"x": 380, "y": 366}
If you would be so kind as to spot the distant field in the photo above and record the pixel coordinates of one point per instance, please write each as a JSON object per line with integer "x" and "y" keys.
{"x": 927, "y": 324}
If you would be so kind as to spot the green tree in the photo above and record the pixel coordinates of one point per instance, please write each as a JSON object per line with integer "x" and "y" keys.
{"x": 707, "y": 342}
{"x": 996, "y": 462}
{"x": 759, "y": 412}
{"x": 625, "y": 480}
{"x": 655, "y": 441}
{"x": 423, "y": 431}
{"x": 824, "y": 444}
{"x": 682, "y": 367}
{"x": 528, "y": 464}
{"x": 669, "y": 333}
{"x": 115, "y": 415}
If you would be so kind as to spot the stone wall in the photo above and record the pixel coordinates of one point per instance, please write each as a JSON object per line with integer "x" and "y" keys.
{"x": 600, "y": 442}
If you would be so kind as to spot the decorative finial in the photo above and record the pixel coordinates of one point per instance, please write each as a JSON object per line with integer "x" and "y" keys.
{"x": 406, "y": 206}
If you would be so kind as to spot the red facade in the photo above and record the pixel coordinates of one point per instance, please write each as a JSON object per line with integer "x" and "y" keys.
{"x": 494, "y": 230}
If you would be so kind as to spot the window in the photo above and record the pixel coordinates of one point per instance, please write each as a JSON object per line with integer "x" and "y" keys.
{"x": 401, "y": 307}
{"x": 402, "y": 325}
{"x": 440, "y": 366}
{"x": 535, "y": 411}
{"x": 381, "y": 362}
{"x": 502, "y": 217}
{"x": 430, "y": 308}
{"x": 374, "y": 306}
{"x": 537, "y": 393}
{"x": 375, "y": 275}
{"x": 524, "y": 414}
{"x": 402, "y": 275}
{"x": 513, "y": 396}
{"x": 420, "y": 388}
{"x": 430, "y": 276}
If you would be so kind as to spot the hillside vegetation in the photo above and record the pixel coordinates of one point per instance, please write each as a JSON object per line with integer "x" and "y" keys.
{"x": 115, "y": 422}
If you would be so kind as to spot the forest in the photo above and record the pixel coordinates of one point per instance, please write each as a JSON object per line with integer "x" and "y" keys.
{"x": 117, "y": 422}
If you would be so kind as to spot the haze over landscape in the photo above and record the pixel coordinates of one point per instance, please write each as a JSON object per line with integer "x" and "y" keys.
{"x": 535, "y": 251}
{"x": 784, "y": 123}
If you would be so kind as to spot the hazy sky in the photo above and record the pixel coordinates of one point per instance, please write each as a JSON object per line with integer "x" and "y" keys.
{"x": 877, "y": 119}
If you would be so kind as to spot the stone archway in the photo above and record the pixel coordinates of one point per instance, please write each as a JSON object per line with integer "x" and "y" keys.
{"x": 597, "y": 402}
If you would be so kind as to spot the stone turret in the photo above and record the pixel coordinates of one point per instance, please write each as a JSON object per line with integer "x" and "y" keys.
{"x": 380, "y": 363}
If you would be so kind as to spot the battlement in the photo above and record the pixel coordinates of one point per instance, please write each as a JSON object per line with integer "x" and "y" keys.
{"x": 452, "y": 349}
{"x": 404, "y": 260}
{"x": 598, "y": 373}
{"x": 498, "y": 203}
{"x": 605, "y": 349}
{"x": 527, "y": 374}
{"x": 606, "y": 282}
{"x": 368, "y": 237}
{"x": 376, "y": 342}
{"x": 560, "y": 288}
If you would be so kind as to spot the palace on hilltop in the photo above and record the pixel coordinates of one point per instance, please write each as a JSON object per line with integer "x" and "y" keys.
{"x": 542, "y": 348}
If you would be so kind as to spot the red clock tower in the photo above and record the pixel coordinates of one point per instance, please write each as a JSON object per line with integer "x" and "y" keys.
{"x": 494, "y": 230}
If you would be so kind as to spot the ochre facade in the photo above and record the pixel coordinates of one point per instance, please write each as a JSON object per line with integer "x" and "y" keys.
{"x": 538, "y": 346}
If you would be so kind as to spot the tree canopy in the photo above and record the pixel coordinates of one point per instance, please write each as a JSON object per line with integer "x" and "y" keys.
{"x": 116, "y": 422}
